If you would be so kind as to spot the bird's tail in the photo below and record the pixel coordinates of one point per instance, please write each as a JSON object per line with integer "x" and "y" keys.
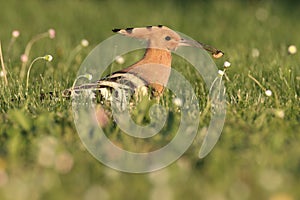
{"x": 77, "y": 89}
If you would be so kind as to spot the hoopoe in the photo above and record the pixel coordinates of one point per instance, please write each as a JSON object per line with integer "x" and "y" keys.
{"x": 152, "y": 71}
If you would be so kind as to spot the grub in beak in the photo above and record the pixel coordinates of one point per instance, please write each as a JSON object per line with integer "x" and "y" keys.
{"x": 193, "y": 43}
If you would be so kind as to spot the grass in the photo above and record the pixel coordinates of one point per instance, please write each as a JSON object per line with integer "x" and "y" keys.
{"x": 257, "y": 156}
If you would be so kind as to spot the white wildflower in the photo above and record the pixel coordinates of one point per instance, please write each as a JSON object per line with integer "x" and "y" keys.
{"x": 177, "y": 101}
{"x": 89, "y": 76}
{"x": 24, "y": 58}
{"x": 84, "y": 43}
{"x": 268, "y": 93}
{"x": 51, "y": 33}
{"x": 120, "y": 60}
{"x": 221, "y": 72}
{"x": 227, "y": 64}
{"x": 48, "y": 58}
{"x": 292, "y": 49}
{"x": 15, "y": 33}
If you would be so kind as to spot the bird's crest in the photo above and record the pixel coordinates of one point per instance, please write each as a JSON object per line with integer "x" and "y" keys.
{"x": 162, "y": 37}
{"x": 143, "y": 32}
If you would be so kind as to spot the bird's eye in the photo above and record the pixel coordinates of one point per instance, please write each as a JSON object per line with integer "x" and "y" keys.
{"x": 167, "y": 38}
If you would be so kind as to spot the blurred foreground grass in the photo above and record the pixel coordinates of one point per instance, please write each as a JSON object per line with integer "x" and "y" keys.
{"x": 257, "y": 156}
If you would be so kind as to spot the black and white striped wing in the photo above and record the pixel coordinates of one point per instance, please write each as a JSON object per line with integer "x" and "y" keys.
{"x": 118, "y": 87}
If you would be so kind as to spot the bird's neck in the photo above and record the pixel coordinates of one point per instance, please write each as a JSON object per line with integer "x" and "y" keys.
{"x": 161, "y": 57}
{"x": 157, "y": 56}
{"x": 154, "y": 68}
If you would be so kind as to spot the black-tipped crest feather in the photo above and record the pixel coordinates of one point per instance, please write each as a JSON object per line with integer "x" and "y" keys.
{"x": 115, "y": 30}
{"x": 129, "y": 30}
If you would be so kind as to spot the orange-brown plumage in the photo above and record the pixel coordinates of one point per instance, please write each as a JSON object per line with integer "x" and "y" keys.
{"x": 156, "y": 62}
{"x": 154, "y": 68}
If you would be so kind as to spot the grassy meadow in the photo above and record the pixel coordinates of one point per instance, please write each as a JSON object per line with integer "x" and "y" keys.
{"x": 258, "y": 154}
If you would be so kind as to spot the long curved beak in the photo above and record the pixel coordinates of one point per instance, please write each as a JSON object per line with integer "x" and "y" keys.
{"x": 193, "y": 43}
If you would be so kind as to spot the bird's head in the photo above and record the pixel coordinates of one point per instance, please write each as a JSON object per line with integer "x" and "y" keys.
{"x": 162, "y": 37}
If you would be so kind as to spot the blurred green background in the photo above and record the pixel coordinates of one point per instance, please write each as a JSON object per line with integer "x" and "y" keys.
{"x": 258, "y": 154}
